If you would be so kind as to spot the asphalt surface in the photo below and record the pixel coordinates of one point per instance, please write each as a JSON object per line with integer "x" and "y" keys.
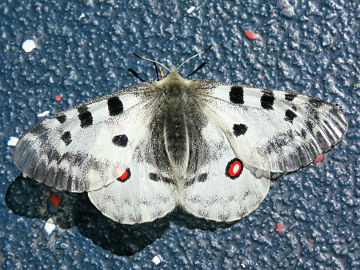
{"x": 310, "y": 218}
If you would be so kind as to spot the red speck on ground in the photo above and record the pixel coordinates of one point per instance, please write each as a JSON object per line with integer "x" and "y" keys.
{"x": 319, "y": 158}
{"x": 55, "y": 199}
{"x": 279, "y": 227}
{"x": 58, "y": 97}
{"x": 251, "y": 34}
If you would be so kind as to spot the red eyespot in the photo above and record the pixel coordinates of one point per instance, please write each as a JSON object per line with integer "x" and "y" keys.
{"x": 234, "y": 168}
{"x": 319, "y": 158}
{"x": 125, "y": 176}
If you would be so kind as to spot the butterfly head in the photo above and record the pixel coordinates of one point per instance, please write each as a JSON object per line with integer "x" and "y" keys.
{"x": 172, "y": 81}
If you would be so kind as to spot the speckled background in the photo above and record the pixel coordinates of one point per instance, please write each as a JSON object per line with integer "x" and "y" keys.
{"x": 84, "y": 50}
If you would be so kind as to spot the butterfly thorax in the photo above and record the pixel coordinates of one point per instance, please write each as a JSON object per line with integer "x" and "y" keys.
{"x": 174, "y": 118}
{"x": 173, "y": 85}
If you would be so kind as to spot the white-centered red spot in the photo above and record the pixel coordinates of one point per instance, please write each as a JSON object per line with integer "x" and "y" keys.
{"x": 234, "y": 168}
{"x": 125, "y": 175}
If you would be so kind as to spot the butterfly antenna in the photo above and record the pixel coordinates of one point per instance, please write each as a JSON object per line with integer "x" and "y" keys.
{"x": 196, "y": 55}
{"x": 157, "y": 71}
{"x": 159, "y": 65}
{"x": 196, "y": 70}
{"x": 133, "y": 72}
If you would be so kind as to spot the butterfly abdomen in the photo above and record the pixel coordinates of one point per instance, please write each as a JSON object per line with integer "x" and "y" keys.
{"x": 175, "y": 131}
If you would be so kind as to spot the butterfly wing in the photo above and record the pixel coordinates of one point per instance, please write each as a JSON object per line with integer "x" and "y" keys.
{"x": 89, "y": 146}
{"x": 273, "y": 130}
{"x": 223, "y": 188}
{"x": 143, "y": 194}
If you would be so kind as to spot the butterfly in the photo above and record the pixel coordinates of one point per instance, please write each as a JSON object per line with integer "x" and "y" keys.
{"x": 208, "y": 147}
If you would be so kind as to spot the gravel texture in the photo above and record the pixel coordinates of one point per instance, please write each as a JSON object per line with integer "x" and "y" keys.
{"x": 83, "y": 50}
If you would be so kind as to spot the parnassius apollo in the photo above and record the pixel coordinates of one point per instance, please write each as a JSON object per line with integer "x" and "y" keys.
{"x": 206, "y": 146}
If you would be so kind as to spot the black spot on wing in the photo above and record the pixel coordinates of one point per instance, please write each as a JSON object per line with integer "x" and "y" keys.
{"x": 239, "y": 129}
{"x": 290, "y": 96}
{"x": 83, "y": 109}
{"x": 289, "y": 116}
{"x": 155, "y": 177}
{"x": 115, "y": 106}
{"x": 236, "y": 94}
{"x": 85, "y": 117}
{"x": 66, "y": 137}
{"x": 267, "y": 100}
{"x": 120, "y": 140}
{"x": 202, "y": 177}
{"x": 61, "y": 118}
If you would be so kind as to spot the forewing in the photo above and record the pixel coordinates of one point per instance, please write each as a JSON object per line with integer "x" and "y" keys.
{"x": 273, "y": 130}
{"x": 89, "y": 146}
{"x": 223, "y": 188}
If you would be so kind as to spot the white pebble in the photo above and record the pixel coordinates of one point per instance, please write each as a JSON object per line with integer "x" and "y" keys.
{"x": 28, "y": 45}
{"x": 190, "y": 9}
{"x": 156, "y": 260}
{"x": 12, "y": 141}
{"x": 49, "y": 226}
{"x": 45, "y": 113}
